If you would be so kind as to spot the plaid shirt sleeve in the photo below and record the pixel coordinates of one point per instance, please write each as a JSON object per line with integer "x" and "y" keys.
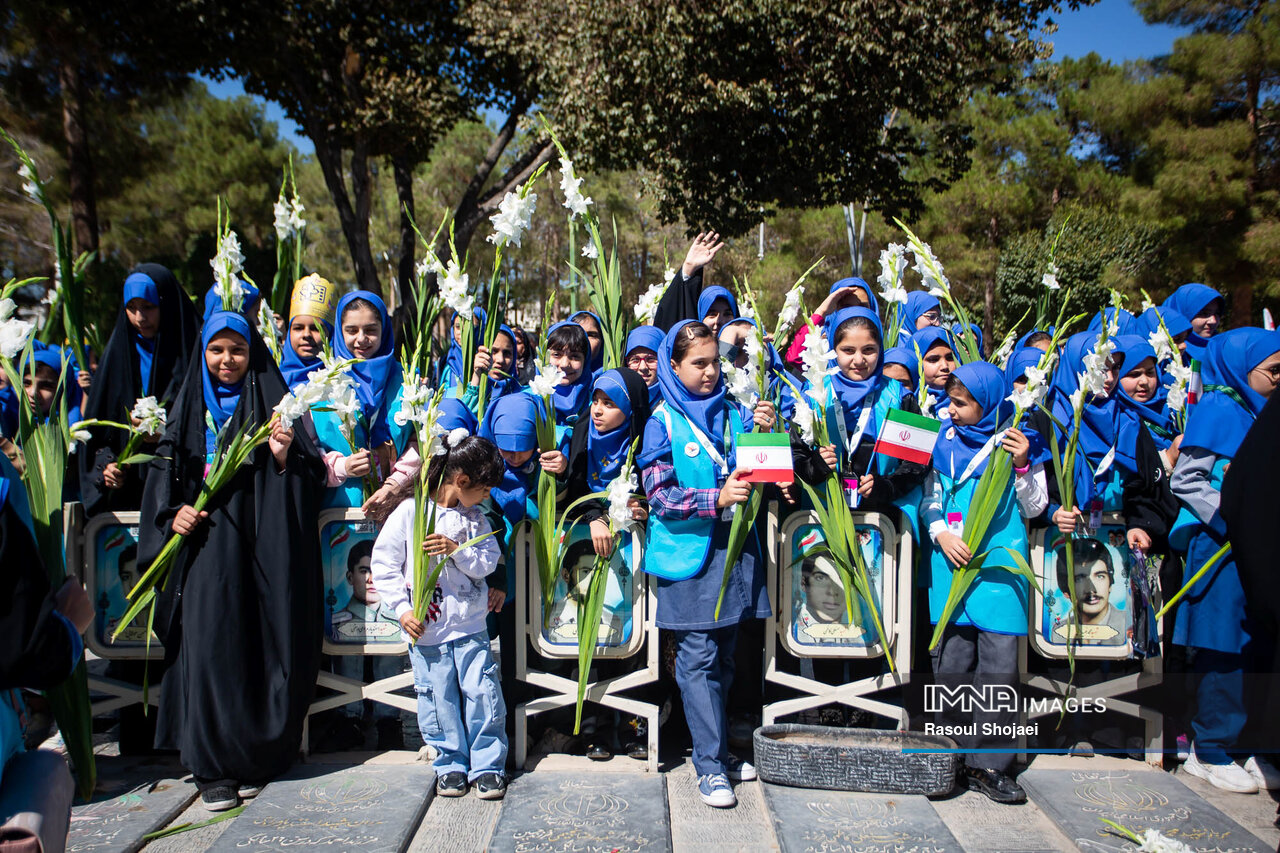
{"x": 669, "y": 500}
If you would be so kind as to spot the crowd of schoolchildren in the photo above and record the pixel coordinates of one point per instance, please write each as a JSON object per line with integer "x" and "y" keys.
{"x": 241, "y": 618}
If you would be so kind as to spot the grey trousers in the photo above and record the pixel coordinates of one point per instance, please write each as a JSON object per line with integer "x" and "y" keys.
{"x": 35, "y": 801}
{"x": 967, "y": 656}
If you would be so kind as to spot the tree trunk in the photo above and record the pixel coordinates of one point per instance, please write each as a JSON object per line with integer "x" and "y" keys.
{"x": 402, "y": 169}
{"x": 354, "y": 228}
{"x": 84, "y": 205}
{"x": 362, "y": 189}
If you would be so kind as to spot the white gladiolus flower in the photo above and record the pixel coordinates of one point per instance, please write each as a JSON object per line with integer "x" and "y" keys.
{"x": 620, "y": 490}
{"x": 150, "y": 415}
{"x": 1162, "y": 344}
{"x": 590, "y": 251}
{"x": 647, "y": 304}
{"x": 296, "y": 222}
{"x": 574, "y": 200}
{"x": 893, "y": 263}
{"x": 435, "y": 439}
{"x": 1050, "y": 281}
{"x": 291, "y": 408}
{"x": 1036, "y": 376}
{"x": 14, "y": 334}
{"x": 31, "y": 184}
{"x": 78, "y": 437}
{"x": 740, "y": 382}
{"x": 1024, "y": 399}
{"x": 804, "y": 418}
{"x": 1077, "y": 399}
{"x": 227, "y": 265}
{"x": 894, "y": 294}
{"x": 1155, "y": 842}
{"x": 930, "y": 270}
{"x": 7, "y": 307}
{"x": 746, "y": 312}
{"x": 548, "y": 377}
{"x": 1177, "y": 397}
{"x": 453, "y": 289}
{"x": 1147, "y": 305}
{"x": 815, "y": 357}
{"x": 928, "y": 404}
{"x": 512, "y": 219}
{"x": 284, "y": 229}
{"x": 790, "y": 311}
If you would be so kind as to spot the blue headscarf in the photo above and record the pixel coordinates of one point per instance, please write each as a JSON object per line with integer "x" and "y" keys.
{"x": 454, "y": 414}
{"x": 858, "y": 284}
{"x": 606, "y": 451}
{"x": 372, "y": 374}
{"x": 139, "y": 285}
{"x": 54, "y": 357}
{"x": 1136, "y": 350}
{"x": 572, "y": 400}
{"x": 213, "y": 301}
{"x": 957, "y": 331}
{"x": 905, "y": 356}
{"x": 1219, "y": 421}
{"x": 1150, "y": 322}
{"x": 510, "y": 385}
{"x": 1189, "y": 300}
{"x": 706, "y": 412}
{"x": 294, "y": 367}
{"x": 453, "y": 358}
{"x": 958, "y": 445}
{"x": 512, "y": 424}
{"x": 926, "y": 339}
{"x": 1021, "y": 343}
{"x": 650, "y": 338}
{"x": 710, "y": 295}
{"x": 220, "y": 400}
{"x": 1099, "y": 417}
{"x": 1021, "y": 359}
{"x": 852, "y": 392}
{"x": 595, "y": 360}
{"x": 1126, "y": 323}
{"x": 919, "y": 302}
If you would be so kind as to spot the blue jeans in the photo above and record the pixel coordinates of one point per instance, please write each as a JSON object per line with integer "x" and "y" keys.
{"x": 1220, "y": 705}
{"x": 704, "y": 673}
{"x": 460, "y": 707}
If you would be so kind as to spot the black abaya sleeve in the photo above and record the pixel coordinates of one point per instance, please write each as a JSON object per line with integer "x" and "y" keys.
{"x": 679, "y": 301}
{"x": 1251, "y": 514}
{"x": 36, "y": 651}
{"x": 1149, "y": 504}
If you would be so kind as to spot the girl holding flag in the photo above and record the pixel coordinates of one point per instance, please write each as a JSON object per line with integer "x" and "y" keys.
{"x": 693, "y": 484}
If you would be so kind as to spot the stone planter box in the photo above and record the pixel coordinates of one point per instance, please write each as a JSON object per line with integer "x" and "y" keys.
{"x": 840, "y": 759}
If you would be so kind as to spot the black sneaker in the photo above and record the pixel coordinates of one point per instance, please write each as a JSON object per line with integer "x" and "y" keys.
{"x": 219, "y": 799}
{"x": 998, "y": 786}
{"x": 491, "y": 786}
{"x": 390, "y": 734}
{"x": 452, "y": 784}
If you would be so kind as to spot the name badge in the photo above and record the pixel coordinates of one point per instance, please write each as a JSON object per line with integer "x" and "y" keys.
{"x": 1095, "y": 514}
{"x": 851, "y": 493}
{"x": 955, "y": 523}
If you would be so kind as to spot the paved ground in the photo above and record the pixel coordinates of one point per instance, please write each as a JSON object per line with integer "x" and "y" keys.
{"x": 381, "y": 801}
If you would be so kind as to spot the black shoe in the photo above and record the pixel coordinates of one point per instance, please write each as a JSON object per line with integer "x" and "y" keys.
{"x": 637, "y": 750}
{"x": 1000, "y": 787}
{"x": 390, "y": 734}
{"x": 344, "y": 734}
{"x": 452, "y": 784}
{"x": 219, "y": 799}
{"x": 491, "y": 786}
{"x": 598, "y": 751}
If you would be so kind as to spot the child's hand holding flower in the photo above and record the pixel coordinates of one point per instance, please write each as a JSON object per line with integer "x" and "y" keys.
{"x": 554, "y": 462}
{"x": 437, "y": 545}
{"x": 279, "y": 442}
{"x": 764, "y": 416}
{"x": 1015, "y": 441}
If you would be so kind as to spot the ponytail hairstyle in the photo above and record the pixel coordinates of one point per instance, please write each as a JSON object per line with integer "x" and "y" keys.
{"x": 696, "y": 331}
{"x": 472, "y": 455}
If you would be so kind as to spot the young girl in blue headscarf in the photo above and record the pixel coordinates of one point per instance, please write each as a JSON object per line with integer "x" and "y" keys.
{"x": 693, "y": 482}
{"x": 569, "y": 349}
{"x": 1111, "y": 475}
{"x": 983, "y": 636}
{"x": 1241, "y": 369}
{"x": 591, "y": 324}
{"x": 310, "y": 326}
{"x": 1203, "y": 307}
{"x": 642, "y": 356}
{"x": 1141, "y": 395}
{"x": 938, "y": 361}
{"x": 922, "y": 311}
{"x": 47, "y": 387}
{"x": 364, "y": 333}
{"x": 857, "y": 399}
{"x": 716, "y": 307}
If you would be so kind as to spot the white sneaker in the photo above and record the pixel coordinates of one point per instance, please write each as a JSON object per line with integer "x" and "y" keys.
{"x": 1263, "y": 773}
{"x": 1228, "y": 777}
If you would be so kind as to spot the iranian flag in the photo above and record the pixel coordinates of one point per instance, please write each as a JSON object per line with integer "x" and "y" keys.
{"x": 907, "y": 436}
{"x": 768, "y": 455}
{"x": 1195, "y": 386}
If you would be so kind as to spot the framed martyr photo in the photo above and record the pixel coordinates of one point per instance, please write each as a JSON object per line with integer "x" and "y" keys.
{"x": 814, "y": 621}
{"x": 355, "y": 620}
{"x": 1102, "y": 567}
{"x": 111, "y": 571}
{"x": 621, "y": 632}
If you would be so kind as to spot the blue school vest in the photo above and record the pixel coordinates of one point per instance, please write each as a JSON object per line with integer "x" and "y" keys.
{"x": 886, "y": 398}
{"x": 997, "y": 600}
{"x": 676, "y": 549}
{"x": 329, "y": 432}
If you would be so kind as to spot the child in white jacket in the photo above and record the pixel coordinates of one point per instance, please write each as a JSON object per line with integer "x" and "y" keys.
{"x": 460, "y": 708}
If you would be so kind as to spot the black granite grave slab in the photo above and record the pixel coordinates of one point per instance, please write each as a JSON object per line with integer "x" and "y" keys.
{"x": 583, "y": 813}
{"x": 814, "y": 821}
{"x": 373, "y": 808}
{"x": 1077, "y": 801}
{"x": 116, "y": 821}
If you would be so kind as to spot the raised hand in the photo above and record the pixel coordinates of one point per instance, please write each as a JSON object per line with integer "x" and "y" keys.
{"x": 701, "y": 252}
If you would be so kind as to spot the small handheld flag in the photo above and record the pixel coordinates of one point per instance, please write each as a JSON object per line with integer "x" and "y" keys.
{"x": 768, "y": 455}
{"x": 908, "y": 436}
{"x": 1195, "y": 387}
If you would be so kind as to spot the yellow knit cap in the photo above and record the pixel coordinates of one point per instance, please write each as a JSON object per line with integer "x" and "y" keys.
{"x": 315, "y": 297}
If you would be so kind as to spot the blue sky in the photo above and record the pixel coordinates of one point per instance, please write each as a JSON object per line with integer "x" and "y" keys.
{"x": 1112, "y": 28}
